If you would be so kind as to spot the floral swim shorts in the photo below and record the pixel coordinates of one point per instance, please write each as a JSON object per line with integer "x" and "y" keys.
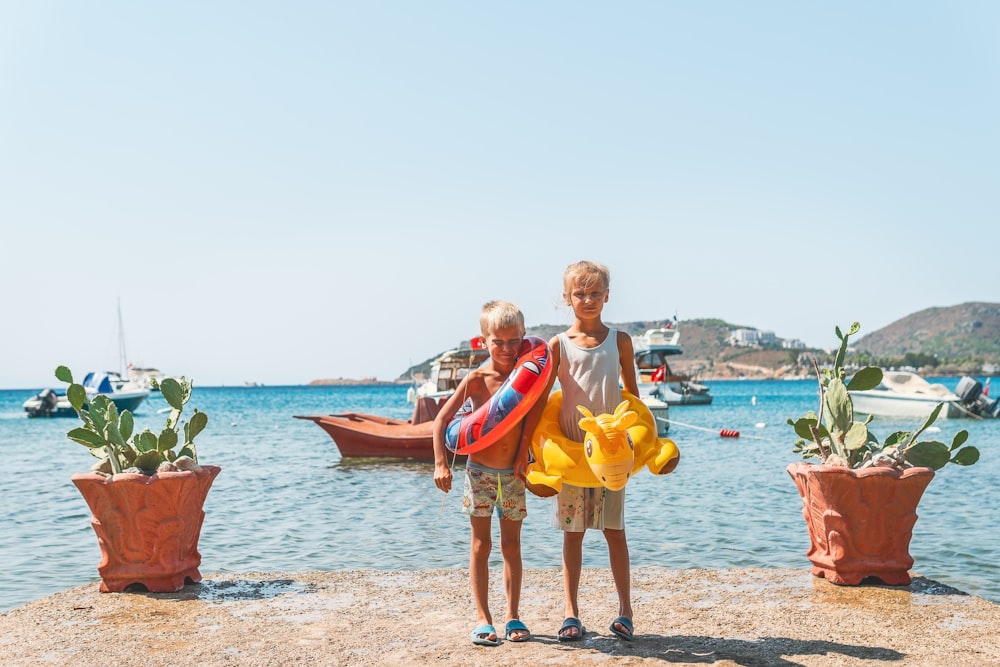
{"x": 576, "y": 509}
{"x": 486, "y": 489}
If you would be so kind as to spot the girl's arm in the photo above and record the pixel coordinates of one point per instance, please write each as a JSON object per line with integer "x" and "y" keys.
{"x": 626, "y": 359}
{"x": 535, "y": 413}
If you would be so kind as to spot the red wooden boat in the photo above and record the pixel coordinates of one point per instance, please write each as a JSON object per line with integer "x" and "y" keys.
{"x": 360, "y": 435}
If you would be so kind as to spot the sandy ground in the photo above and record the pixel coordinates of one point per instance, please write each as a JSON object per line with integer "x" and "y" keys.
{"x": 683, "y": 617}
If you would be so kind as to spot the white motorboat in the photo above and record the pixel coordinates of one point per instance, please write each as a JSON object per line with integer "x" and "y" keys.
{"x": 906, "y": 394}
{"x": 51, "y": 403}
{"x": 653, "y": 371}
{"x": 125, "y": 394}
{"x": 661, "y": 414}
{"x": 448, "y": 369}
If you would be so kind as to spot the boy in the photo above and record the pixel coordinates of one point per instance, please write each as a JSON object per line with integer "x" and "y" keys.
{"x": 494, "y": 476}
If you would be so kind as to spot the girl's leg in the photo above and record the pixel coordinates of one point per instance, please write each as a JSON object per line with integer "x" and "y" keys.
{"x": 572, "y": 566}
{"x": 620, "y": 571}
{"x": 479, "y": 574}
{"x": 510, "y": 547}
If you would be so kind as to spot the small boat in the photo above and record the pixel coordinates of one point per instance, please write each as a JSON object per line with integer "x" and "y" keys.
{"x": 906, "y": 394}
{"x": 144, "y": 377}
{"x": 653, "y": 371}
{"x": 661, "y": 414}
{"x": 448, "y": 369}
{"x": 360, "y": 435}
{"x": 124, "y": 394}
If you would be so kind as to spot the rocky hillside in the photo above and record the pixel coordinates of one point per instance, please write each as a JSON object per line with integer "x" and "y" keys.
{"x": 960, "y": 339}
{"x": 969, "y": 331}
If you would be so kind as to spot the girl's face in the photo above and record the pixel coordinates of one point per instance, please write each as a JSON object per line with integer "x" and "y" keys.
{"x": 587, "y": 297}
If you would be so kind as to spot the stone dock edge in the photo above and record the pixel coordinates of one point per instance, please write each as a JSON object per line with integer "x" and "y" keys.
{"x": 739, "y": 617}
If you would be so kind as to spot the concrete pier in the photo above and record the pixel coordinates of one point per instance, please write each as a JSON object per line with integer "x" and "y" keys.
{"x": 682, "y": 617}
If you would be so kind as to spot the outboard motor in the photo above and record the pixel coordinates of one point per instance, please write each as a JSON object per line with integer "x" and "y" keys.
{"x": 45, "y": 406}
{"x": 970, "y": 392}
{"x": 48, "y": 399}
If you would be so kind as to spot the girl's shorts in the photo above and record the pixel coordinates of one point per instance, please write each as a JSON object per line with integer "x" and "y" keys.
{"x": 576, "y": 508}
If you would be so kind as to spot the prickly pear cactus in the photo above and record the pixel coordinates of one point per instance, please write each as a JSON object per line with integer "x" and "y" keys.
{"x": 835, "y": 437}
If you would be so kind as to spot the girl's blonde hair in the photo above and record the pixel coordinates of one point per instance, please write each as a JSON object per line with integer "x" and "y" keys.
{"x": 500, "y": 315}
{"x": 586, "y": 275}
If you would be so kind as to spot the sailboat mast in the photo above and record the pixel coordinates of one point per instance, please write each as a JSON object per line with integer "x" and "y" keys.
{"x": 122, "y": 356}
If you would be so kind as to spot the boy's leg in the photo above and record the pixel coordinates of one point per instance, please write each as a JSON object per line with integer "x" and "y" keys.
{"x": 620, "y": 572}
{"x": 479, "y": 574}
{"x": 510, "y": 547}
{"x": 572, "y": 566}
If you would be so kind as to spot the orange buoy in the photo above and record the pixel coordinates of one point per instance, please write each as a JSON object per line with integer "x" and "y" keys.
{"x": 729, "y": 433}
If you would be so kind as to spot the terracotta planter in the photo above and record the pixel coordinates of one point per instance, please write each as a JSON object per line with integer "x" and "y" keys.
{"x": 147, "y": 526}
{"x": 860, "y": 521}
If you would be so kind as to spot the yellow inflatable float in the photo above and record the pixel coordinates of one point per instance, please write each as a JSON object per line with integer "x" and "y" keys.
{"x": 615, "y": 447}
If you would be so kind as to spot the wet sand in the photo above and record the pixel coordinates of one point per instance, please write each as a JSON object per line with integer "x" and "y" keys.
{"x": 683, "y": 617}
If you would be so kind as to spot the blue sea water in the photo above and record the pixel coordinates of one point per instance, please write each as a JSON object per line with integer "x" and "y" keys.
{"x": 286, "y": 501}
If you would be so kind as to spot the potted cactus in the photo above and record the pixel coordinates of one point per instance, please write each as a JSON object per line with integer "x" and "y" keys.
{"x": 146, "y": 491}
{"x": 860, "y": 502}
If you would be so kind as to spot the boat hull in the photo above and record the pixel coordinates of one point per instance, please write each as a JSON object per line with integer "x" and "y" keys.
{"x": 682, "y": 395}
{"x": 38, "y": 406}
{"x": 890, "y": 404}
{"x": 359, "y": 435}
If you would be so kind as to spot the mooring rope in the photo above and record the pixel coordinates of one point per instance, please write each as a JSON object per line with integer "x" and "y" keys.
{"x": 725, "y": 433}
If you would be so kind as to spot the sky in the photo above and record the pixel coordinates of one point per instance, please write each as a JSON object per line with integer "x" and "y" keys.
{"x": 278, "y": 192}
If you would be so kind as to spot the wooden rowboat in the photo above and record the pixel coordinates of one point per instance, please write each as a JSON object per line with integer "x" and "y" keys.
{"x": 360, "y": 435}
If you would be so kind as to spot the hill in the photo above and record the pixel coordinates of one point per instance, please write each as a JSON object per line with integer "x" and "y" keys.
{"x": 951, "y": 340}
{"x": 956, "y": 334}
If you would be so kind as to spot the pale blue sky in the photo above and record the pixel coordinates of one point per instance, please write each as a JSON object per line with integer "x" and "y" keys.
{"x": 285, "y": 191}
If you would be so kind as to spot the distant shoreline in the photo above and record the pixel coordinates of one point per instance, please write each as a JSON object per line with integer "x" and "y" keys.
{"x": 358, "y": 381}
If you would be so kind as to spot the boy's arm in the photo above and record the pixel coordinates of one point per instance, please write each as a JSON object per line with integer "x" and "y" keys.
{"x": 442, "y": 473}
{"x": 626, "y": 359}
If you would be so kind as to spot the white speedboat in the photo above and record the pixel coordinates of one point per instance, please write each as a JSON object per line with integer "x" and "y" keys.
{"x": 906, "y": 394}
{"x": 448, "y": 369}
{"x": 51, "y": 403}
{"x": 661, "y": 413}
{"x": 653, "y": 371}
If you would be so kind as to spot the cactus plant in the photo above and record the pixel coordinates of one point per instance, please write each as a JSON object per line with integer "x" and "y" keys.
{"x": 836, "y": 438}
{"x": 108, "y": 434}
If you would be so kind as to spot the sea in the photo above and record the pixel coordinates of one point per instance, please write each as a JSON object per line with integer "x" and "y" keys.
{"x": 286, "y": 501}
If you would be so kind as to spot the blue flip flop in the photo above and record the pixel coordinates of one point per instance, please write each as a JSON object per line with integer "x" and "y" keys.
{"x": 625, "y": 622}
{"x": 514, "y": 625}
{"x": 481, "y": 636}
{"x": 571, "y": 622}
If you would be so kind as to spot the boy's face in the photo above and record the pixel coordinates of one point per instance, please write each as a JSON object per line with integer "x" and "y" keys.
{"x": 588, "y": 297}
{"x": 504, "y": 345}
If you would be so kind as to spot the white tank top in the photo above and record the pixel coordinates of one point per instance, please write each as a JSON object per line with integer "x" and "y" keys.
{"x": 587, "y": 377}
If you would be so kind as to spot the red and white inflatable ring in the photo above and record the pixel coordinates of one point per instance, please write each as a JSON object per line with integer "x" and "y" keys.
{"x": 473, "y": 430}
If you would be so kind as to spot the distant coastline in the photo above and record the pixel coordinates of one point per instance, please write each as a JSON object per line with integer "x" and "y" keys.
{"x": 357, "y": 381}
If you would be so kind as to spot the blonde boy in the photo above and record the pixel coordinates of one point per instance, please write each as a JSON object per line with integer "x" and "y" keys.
{"x": 494, "y": 476}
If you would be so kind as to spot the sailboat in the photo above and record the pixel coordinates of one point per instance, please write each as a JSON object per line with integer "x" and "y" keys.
{"x": 124, "y": 392}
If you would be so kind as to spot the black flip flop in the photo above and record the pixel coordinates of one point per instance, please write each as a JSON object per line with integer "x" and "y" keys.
{"x": 571, "y": 622}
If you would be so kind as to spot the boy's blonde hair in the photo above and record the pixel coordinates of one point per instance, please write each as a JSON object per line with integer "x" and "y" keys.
{"x": 587, "y": 275}
{"x": 500, "y": 315}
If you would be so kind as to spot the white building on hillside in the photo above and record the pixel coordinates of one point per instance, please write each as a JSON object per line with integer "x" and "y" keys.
{"x": 744, "y": 337}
